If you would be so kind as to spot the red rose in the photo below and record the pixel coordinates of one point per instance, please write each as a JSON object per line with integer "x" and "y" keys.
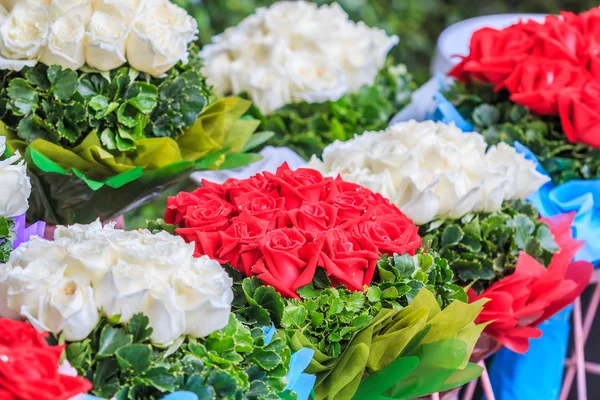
{"x": 265, "y": 207}
{"x": 580, "y": 114}
{"x": 178, "y": 205}
{"x": 536, "y": 83}
{"x": 494, "y": 54}
{"x": 290, "y": 260}
{"x": 314, "y": 217}
{"x": 394, "y": 235}
{"x": 588, "y": 23}
{"x": 560, "y": 41}
{"x": 346, "y": 261}
{"x": 239, "y": 244}
{"x": 31, "y": 373}
{"x": 29, "y": 367}
{"x": 303, "y": 184}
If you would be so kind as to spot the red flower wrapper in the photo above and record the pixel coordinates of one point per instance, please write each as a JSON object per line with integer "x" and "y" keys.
{"x": 532, "y": 294}
{"x": 551, "y": 68}
{"x": 281, "y": 227}
{"x": 29, "y": 367}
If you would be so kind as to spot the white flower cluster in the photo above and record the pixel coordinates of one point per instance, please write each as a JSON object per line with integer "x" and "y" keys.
{"x": 15, "y": 187}
{"x": 295, "y": 51}
{"x": 432, "y": 170}
{"x": 61, "y": 285}
{"x": 151, "y": 35}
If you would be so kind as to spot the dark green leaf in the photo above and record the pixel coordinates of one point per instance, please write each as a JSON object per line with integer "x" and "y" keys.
{"x": 112, "y": 339}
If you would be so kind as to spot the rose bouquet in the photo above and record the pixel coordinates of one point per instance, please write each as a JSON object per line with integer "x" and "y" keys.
{"x": 537, "y": 83}
{"x": 31, "y": 369}
{"x": 314, "y": 75}
{"x": 335, "y": 266}
{"x": 107, "y": 102}
{"x": 467, "y": 197}
{"x": 14, "y": 201}
{"x": 141, "y": 316}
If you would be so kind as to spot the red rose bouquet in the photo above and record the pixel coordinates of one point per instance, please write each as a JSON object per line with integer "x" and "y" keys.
{"x": 29, "y": 367}
{"x": 552, "y": 68}
{"x": 282, "y": 227}
{"x": 532, "y": 294}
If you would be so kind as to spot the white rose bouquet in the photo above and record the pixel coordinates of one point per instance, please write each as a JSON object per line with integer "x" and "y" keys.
{"x": 64, "y": 286}
{"x": 313, "y": 74}
{"x": 432, "y": 170}
{"x": 105, "y": 93}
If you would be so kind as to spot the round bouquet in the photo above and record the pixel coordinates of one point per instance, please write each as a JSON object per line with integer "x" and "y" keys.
{"x": 467, "y": 197}
{"x": 314, "y": 75}
{"x": 140, "y": 317}
{"x": 107, "y": 102}
{"x": 338, "y": 269}
{"x": 537, "y": 84}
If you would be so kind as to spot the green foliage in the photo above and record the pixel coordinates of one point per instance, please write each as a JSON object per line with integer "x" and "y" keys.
{"x": 7, "y": 236}
{"x": 483, "y": 248}
{"x": 233, "y": 363}
{"x": 308, "y": 128}
{"x": 331, "y": 317}
{"x": 501, "y": 120}
{"x": 159, "y": 225}
{"x": 122, "y": 107}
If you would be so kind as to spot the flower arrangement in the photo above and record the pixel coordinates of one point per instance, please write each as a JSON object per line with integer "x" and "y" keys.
{"x": 107, "y": 97}
{"x": 533, "y": 65}
{"x": 62, "y": 286}
{"x": 31, "y": 369}
{"x": 282, "y": 227}
{"x": 332, "y": 265}
{"x": 301, "y": 83}
{"x": 432, "y": 170}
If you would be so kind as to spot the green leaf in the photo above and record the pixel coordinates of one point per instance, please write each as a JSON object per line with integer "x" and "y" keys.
{"x": 112, "y": 339}
{"x": 138, "y": 327}
{"x": 544, "y": 235}
{"x": 524, "y": 227}
{"x": 143, "y": 96}
{"x": 233, "y": 161}
{"x": 293, "y": 316}
{"x": 404, "y": 265}
{"x": 161, "y": 379}
{"x": 452, "y": 235}
{"x": 486, "y": 115}
{"x": 64, "y": 82}
{"x": 265, "y": 359}
{"x": 23, "y": 97}
{"x": 135, "y": 357}
{"x": 374, "y": 294}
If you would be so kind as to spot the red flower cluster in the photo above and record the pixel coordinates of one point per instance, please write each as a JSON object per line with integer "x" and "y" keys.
{"x": 532, "y": 294}
{"x": 29, "y": 367}
{"x": 281, "y": 227}
{"x": 551, "y": 68}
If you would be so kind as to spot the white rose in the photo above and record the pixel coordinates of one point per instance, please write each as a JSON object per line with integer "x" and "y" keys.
{"x": 154, "y": 48}
{"x": 167, "y": 320}
{"x": 15, "y": 184}
{"x": 314, "y": 79}
{"x": 25, "y": 286}
{"x": 72, "y": 9}
{"x": 23, "y": 33}
{"x": 105, "y": 44}
{"x": 204, "y": 293}
{"x": 175, "y": 18}
{"x": 218, "y": 72}
{"x": 67, "y": 307}
{"x": 268, "y": 89}
{"x": 88, "y": 260}
{"x": 124, "y": 10}
{"x": 65, "y": 43}
{"x": 287, "y": 16}
{"x": 123, "y": 291}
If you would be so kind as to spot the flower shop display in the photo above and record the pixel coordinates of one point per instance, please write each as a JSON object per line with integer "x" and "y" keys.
{"x": 31, "y": 369}
{"x": 314, "y": 75}
{"x": 108, "y": 105}
{"x": 14, "y": 201}
{"x": 336, "y": 267}
{"x": 432, "y": 170}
